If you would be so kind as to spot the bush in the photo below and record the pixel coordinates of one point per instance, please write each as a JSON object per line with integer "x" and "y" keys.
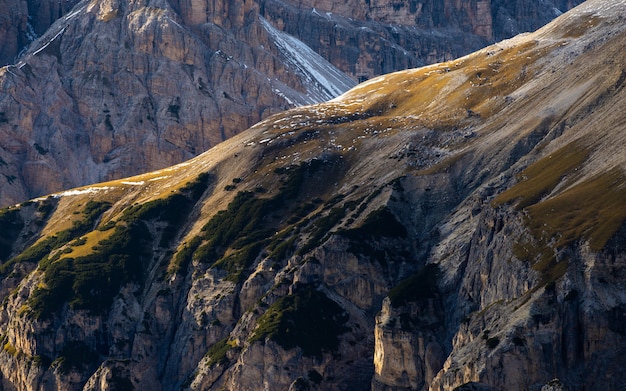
{"x": 307, "y": 319}
{"x": 419, "y": 286}
{"x": 91, "y": 282}
{"x": 217, "y": 353}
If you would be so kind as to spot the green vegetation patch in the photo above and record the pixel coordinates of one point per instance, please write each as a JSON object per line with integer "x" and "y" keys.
{"x": 91, "y": 282}
{"x": 42, "y": 249}
{"x": 321, "y": 228}
{"x": 233, "y": 238}
{"x": 307, "y": 319}
{"x": 172, "y": 210}
{"x": 420, "y": 286}
{"x": 237, "y": 262}
{"x": 183, "y": 257}
{"x": 217, "y": 353}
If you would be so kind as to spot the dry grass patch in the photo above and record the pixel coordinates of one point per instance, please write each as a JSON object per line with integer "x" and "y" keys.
{"x": 593, "y": 210}
{"x": 541, "y": 178}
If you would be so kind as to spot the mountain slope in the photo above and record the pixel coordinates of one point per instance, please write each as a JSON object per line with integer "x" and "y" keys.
{"x": 458, "y": 225}
{"x": 117, "y": 88}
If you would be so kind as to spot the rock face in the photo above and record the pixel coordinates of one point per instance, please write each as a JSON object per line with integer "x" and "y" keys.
{"x": 117, "y": 88}
{"x": 21, "y": 22}
{"x": 370, "y": 38}
{"x": 465, "y": 231}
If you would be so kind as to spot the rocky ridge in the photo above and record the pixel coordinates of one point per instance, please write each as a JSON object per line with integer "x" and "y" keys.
{"x": 457, "y": 226}
{"x": 116, "y": 88}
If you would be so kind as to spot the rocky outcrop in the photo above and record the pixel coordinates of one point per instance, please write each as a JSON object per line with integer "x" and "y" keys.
{"x": 21, "y": 22}
{"x": 370, "y": 38}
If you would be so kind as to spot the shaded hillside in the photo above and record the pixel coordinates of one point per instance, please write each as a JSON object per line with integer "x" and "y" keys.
{"x": 457, "y": 225}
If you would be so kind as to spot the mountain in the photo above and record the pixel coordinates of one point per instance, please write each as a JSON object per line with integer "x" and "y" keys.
{"x": 457, "y": 226}
{"x": 116, "y": 88}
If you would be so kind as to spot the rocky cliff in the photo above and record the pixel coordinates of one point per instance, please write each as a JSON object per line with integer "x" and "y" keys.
{"x": 457, "y": 226}
{"x": 117, "y": 88}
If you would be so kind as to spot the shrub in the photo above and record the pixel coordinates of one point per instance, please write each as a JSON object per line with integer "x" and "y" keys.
{"x": 237, "y": 262}
{"x": 91, "y": 282}
{"x": 321, "y": 228}
{"x": 307, "y": 319}
{"x": 39, "y": 252}
{"x": 217, "y": 353}
{"x": 183, "y": 257}
{"x": 419, "y": 286}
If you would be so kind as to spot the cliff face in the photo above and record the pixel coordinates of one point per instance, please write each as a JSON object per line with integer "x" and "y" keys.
{"x": 116, "y": 88}
{"x": 370, "y": 38}
{"x": 464, "y": 231}
{"x": 21, "y": 22}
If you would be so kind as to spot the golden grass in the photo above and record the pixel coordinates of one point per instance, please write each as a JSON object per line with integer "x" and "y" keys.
{"x": 450, "y": 93}
{"x": 578, "y": 26}
{"x": 92, "y": 239}
{"x": 541, "y": 177}
{"x": 593, "y": 210}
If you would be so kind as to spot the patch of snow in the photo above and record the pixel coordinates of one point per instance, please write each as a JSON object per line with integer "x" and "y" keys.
{"x": 50, "y": 41}
{"x": 174, "y": 22}
{"x": 88, "y": 190}
{"x": 72, "y": 14}
{"x": 323, "y": 79}
{"x": 139, "y": 183}
{"x": 285, "y": 97}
